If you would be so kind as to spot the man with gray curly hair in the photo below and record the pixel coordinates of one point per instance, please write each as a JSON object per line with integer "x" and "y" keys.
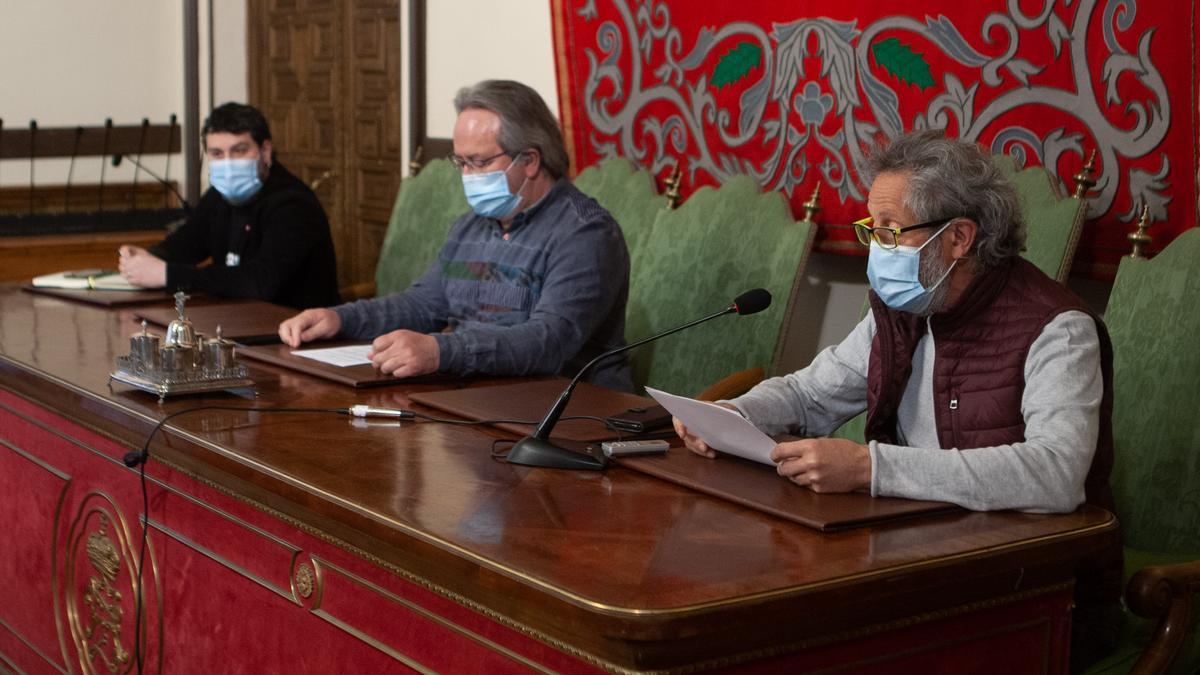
{"x": 533, "y": 279}
{"x": 985, "y": 383}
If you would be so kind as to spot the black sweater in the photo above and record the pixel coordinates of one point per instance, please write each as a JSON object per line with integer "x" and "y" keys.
{"x": 280, "y": 241}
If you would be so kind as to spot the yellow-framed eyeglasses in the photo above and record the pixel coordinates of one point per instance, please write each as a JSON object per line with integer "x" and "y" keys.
{"x": 889, "y": 237}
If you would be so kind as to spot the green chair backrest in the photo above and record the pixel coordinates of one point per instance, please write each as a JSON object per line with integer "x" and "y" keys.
{"x": 426, "y": 206}
{"x": 1053, "y": 224}
{"x": 698, "y": 258}
{"x": 629, "y": 194}
{"x": 1153, "y": 317}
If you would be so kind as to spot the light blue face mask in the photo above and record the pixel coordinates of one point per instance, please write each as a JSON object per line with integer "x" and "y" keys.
{"x": 895, "y": 275}
{"x": 236, "y": 179}
{"x": 488, "y": 193}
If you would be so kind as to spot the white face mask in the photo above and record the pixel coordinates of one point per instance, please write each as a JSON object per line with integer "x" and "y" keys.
{"x": 895, "y": 275}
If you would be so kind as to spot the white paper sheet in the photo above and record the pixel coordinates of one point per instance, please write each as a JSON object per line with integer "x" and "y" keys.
{"x": 352, "y": 355}
{"x": 723, "y": 429}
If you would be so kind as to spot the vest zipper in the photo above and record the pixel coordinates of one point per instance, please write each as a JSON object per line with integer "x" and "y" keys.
{"x": 954, "y": 418}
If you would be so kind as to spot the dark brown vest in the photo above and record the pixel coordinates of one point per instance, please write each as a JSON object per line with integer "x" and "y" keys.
{"x": 979, "y": 377}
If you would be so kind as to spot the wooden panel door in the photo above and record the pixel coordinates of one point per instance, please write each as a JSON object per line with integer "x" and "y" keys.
{"x": 327, "y": 76}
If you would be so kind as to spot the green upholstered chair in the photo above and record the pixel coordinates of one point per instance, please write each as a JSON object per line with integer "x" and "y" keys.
{"x": 1153, "y": 317}
{"x": 1053, "y": 221}
{"x": 1053, "y": 224}
{"x": 426, "y": 206}
{"x": 694, "y": 261}
{"x": 629, "y": 194}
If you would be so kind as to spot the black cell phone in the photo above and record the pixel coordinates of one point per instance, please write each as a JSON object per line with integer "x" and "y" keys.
{"x": 641, "y": 420}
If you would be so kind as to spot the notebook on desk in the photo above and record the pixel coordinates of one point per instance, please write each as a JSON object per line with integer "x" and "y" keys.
{"x": 100, "y": 297}
{"x": 362, "y": 375}
{"x": 759, "y": 487}
{"x": 244, "y": 321}
{"x": 531, "y": 400}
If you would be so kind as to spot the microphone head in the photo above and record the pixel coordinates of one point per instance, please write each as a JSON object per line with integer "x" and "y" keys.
{"x": 752, "y": 301}
{"x": 116, "y": 160}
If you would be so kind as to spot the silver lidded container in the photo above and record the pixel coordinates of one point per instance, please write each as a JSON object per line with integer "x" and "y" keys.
{"x": 185, "y": 363}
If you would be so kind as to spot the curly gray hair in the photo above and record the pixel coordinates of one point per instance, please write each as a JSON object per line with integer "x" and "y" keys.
{"x": 952, "y": 177}
{"x": 525, "y": 120}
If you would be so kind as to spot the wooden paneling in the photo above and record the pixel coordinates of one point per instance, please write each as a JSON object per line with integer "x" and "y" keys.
{"x": 327, "y": 76}
{"x": 90, "y": 141}
{"x": 90, "y": 197}
{"x": 22, "y": 258}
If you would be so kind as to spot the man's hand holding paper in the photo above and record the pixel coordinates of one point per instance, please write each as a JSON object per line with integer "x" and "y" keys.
{"x": 821, "y": 464}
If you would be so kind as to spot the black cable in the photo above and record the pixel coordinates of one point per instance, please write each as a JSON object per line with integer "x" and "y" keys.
{"x": 133, "y": 459}
{"x": 139, "y": 458}
{"x": 527, "y": 423}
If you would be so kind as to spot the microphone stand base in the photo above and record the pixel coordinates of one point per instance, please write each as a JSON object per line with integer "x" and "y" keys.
{"x": 530, "y": 451}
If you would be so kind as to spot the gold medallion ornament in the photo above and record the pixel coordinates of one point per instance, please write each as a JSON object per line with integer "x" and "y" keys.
{"x": 102, "y": 633}
{"x": 304, "y": 580}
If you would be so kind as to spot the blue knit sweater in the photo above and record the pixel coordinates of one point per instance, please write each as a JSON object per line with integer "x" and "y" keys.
{"x": 545, "y": 296}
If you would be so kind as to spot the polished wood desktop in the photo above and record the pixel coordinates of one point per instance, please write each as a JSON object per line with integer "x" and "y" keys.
{"x": 310, "y": 541}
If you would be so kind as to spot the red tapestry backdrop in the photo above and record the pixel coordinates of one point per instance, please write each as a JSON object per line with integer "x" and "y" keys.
{"x": 791, "y": 93}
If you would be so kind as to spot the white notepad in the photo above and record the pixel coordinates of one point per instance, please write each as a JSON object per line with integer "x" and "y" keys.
{"x": 82, "y": 280}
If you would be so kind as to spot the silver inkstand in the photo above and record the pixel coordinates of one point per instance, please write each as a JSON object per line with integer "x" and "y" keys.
{"x": 185, "y": 362}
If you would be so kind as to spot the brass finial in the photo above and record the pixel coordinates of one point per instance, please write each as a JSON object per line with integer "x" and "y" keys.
{"x": 1139, "y": 238}
{"x": 415, "y": 165}
{"x": 1085, "y": 180}
{"x": 813, "y": 206}
{"x": 316, "y": 184}
{"x": 673, "y": 182}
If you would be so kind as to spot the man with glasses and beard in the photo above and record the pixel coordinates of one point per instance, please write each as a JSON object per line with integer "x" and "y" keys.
{"x": 533, "y": 279}
{"x": 985, "y": 383}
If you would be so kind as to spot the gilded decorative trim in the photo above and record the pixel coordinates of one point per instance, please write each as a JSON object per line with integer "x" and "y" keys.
{"x": 541, "y": 636}
{"x": 870, "y": 630}
{"x": 103, "y": 598}
{"x": 223, "y": 561}
{"x": 322, "y": 565}
{"x": 303, "y": 581}
{"x": 58, "y": 473}
{"x": 32, "y": 647}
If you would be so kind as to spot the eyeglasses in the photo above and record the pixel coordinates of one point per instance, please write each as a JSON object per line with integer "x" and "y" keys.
{"x": 889, "y": 237}
{"x": 462, "y": 163}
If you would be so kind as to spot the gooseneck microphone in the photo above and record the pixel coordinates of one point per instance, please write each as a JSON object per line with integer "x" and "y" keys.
{"x": 116, "y": 161}
{"x": 536, "y": 448}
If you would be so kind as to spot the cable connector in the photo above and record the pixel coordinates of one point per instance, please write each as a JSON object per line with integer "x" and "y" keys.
{"x": 372, "y": 411}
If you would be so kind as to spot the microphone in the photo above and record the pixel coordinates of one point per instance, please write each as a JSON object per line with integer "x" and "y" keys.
{"x": 536, "y": 448}
{"x": 116, "y": 161}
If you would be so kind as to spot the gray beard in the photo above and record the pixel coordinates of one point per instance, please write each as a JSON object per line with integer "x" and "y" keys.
{"x": 930, "y": 271}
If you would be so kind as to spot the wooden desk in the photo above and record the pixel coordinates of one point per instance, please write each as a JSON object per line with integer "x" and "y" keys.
{"x": 306, "y": 542}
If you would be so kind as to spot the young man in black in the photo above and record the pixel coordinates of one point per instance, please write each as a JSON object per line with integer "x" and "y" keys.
{"x": 261, "y": 227}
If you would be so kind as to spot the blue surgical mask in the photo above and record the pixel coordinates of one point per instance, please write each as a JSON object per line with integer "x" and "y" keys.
{"x": 488, "y": 193}
{"x": 895, "y": 275}
{"x": 236, "y": 179}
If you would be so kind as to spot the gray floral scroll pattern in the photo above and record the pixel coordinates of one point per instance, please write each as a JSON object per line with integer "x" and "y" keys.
{"x": 786, "y": 107}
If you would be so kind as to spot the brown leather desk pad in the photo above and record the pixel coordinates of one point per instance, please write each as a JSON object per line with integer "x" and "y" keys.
{"x": 245, "y": 321}
{"x": 102, "y": 298}
{"x": 354, "y": 376}
{"x": 759, "y": 487}
{"x": 531, "y": 400}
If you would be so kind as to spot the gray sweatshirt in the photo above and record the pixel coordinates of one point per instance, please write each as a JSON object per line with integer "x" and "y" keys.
{"x": 1042, "y": 474}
